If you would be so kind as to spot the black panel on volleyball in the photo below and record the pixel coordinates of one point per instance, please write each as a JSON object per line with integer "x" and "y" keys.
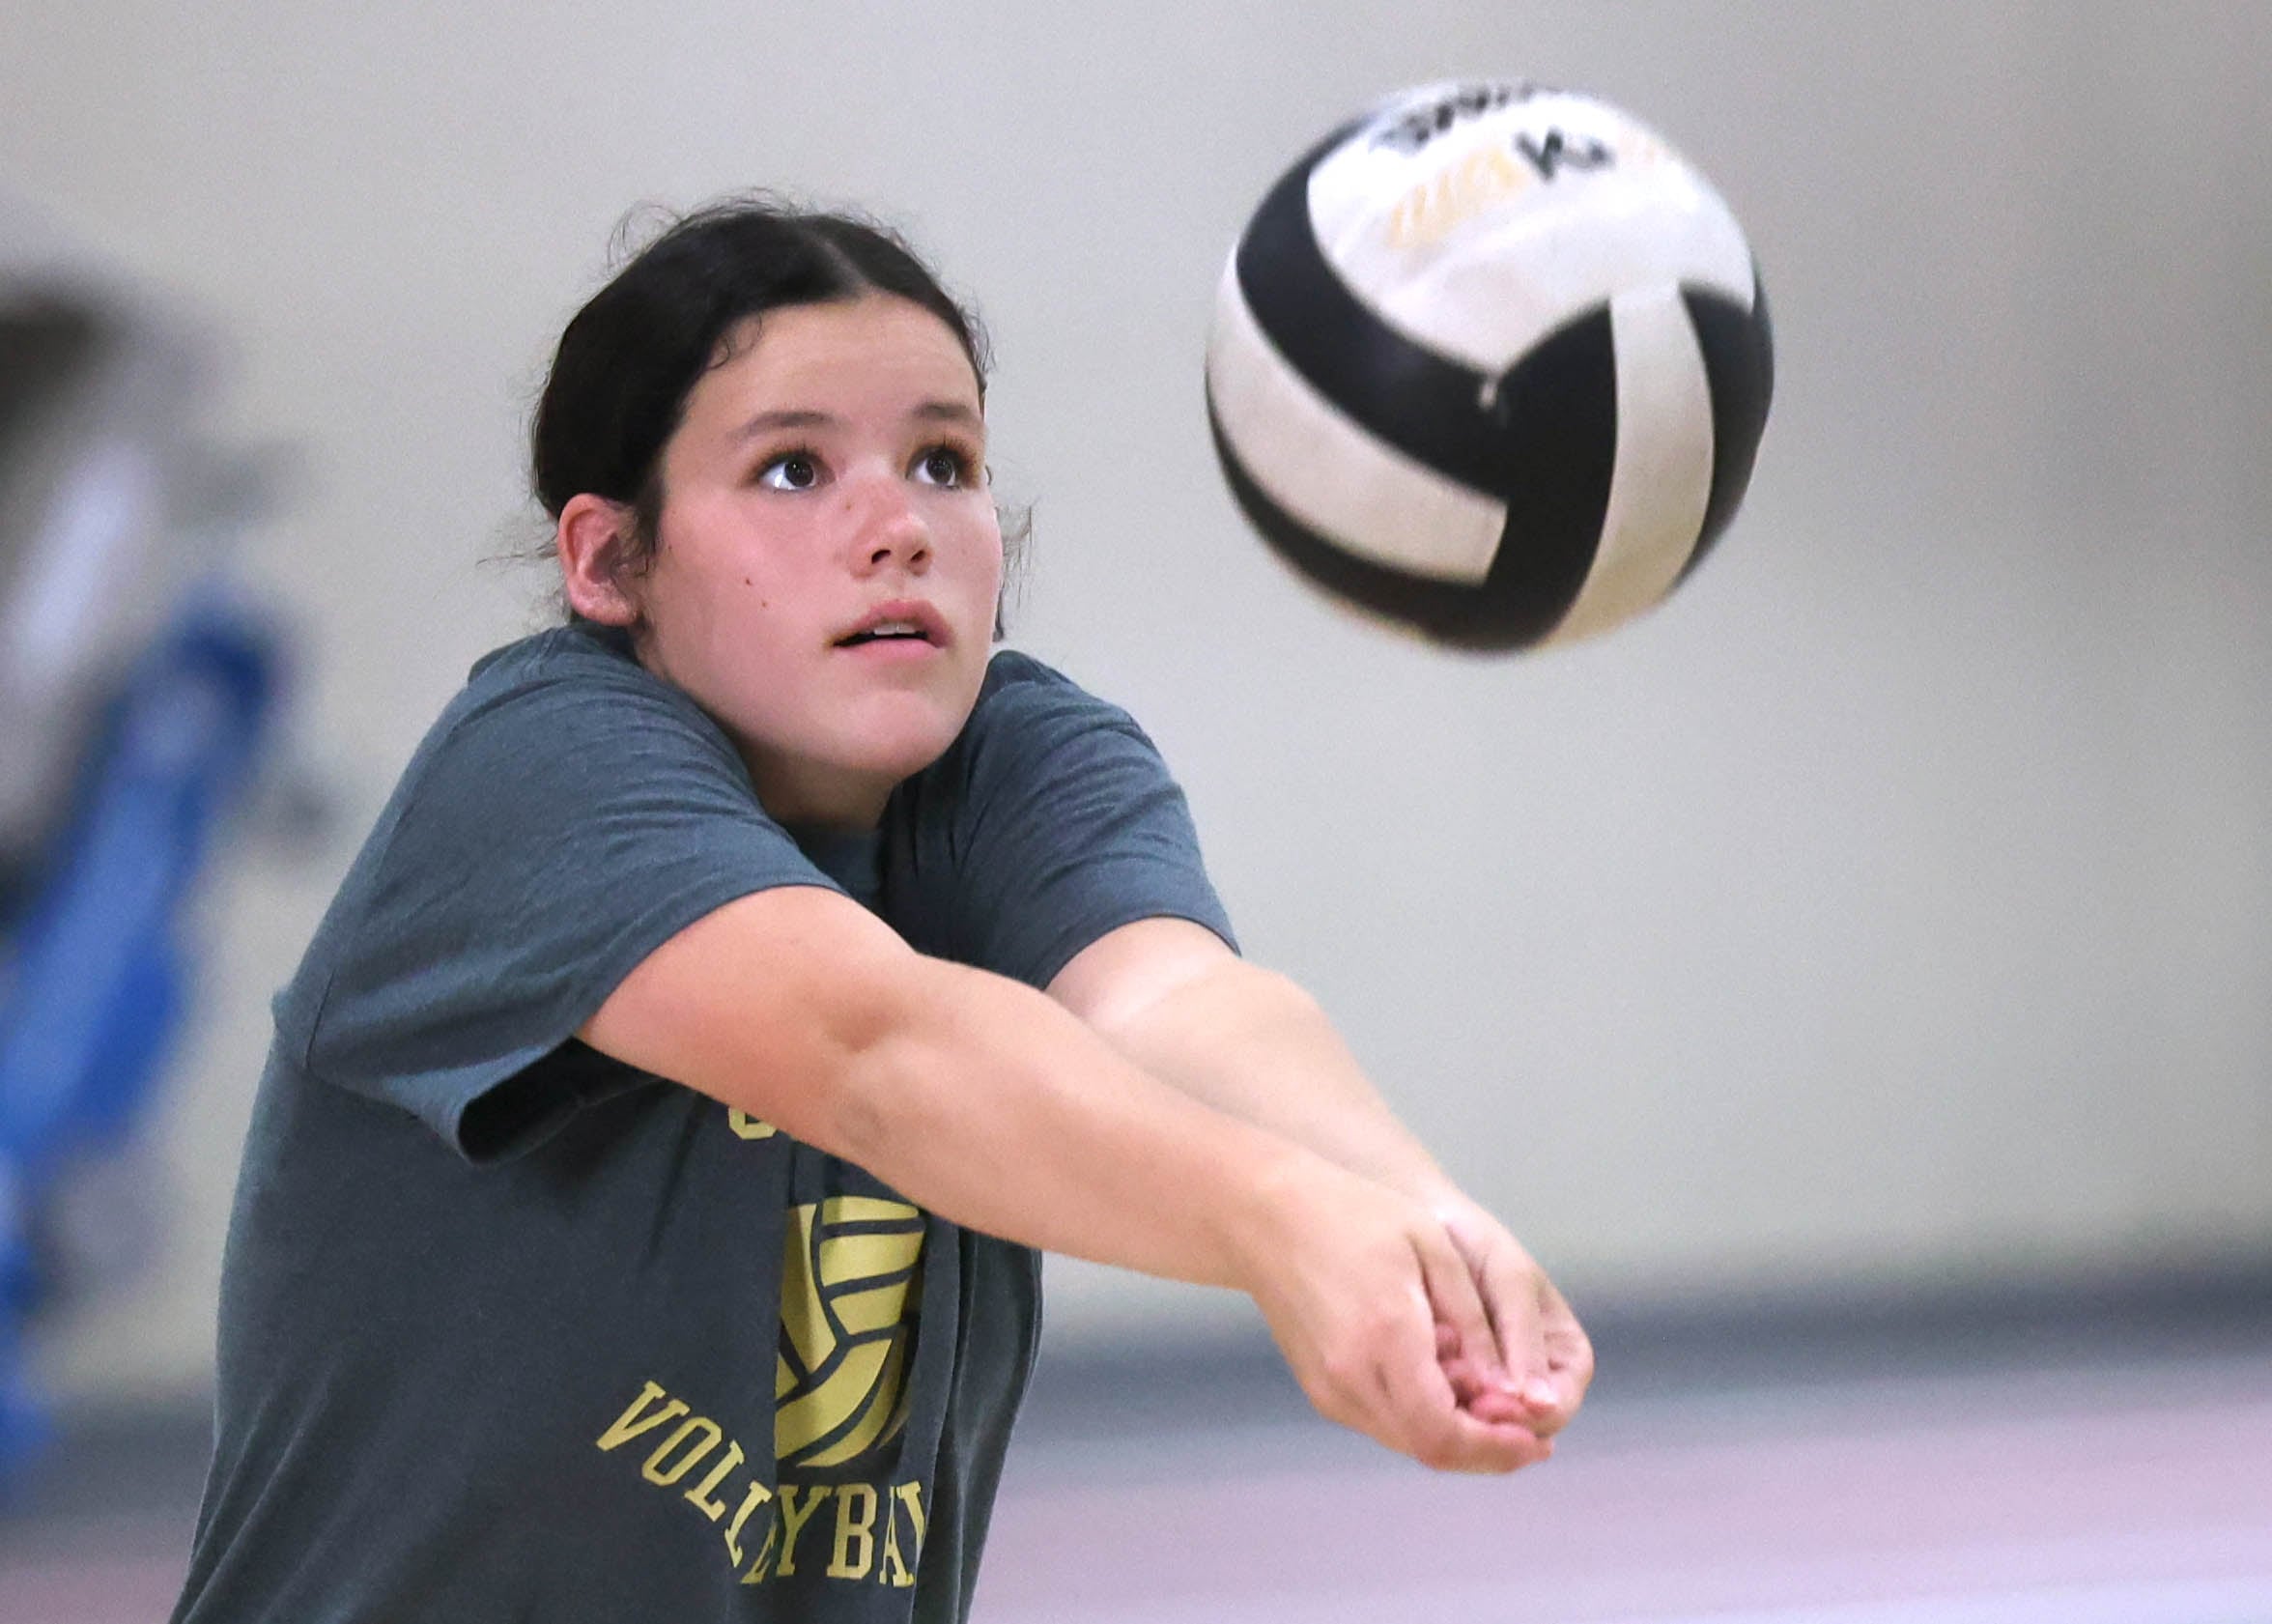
{"x": 1559, "y": 436}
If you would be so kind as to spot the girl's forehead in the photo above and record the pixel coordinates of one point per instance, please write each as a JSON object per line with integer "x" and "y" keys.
{"x": 874, "y": 339}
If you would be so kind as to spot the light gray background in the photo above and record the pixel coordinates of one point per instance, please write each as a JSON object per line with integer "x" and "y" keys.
{"x": 1894, "y": 905}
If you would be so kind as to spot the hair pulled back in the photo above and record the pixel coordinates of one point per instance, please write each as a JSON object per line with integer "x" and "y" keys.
{"x": 627, "y": 360}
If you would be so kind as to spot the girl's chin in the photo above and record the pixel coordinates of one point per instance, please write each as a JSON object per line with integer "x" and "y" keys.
{"x": 903, "y": 732}
{"x": 847, "y": 786}
{"x": 905, "y": 759}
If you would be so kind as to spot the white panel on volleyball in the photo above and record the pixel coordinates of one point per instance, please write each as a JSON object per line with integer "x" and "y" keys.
{"x": 1661, "y": 481}
{"x": 1329, "y": 474}
{"x": 1466, "y": 249}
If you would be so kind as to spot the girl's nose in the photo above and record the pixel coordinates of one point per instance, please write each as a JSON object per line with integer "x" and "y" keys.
{"x": 888, "y": 528}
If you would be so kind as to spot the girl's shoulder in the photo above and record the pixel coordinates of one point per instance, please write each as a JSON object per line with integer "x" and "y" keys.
{"x": 1033, "y": 722}
{"x": 1012, "y": 668}
{"x": 1016, "y": 681}
{"x": 578, "y": 652}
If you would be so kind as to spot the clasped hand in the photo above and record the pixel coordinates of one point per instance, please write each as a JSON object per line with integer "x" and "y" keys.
{"x": 1424, "y": 1324}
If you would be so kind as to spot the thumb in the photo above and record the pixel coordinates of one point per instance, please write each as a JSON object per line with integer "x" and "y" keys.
{"x": 1510, "y": 1284}
{"x": 1461, "y": 1319}
{"x": 1513, "y": 1288}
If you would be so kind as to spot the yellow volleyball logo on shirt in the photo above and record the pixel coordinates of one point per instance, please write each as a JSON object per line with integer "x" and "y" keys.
{"x": 848, "y": 1266}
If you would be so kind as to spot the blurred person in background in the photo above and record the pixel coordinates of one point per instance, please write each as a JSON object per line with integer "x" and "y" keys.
{"x": 136, "y": 691}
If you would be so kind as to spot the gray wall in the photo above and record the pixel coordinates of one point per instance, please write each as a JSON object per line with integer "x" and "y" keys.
{"x": 1895, "y": 904}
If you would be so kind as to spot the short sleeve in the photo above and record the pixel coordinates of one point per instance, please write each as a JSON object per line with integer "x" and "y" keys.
{"x": 567, "y": 815}
{"x": 1067, "y": 825}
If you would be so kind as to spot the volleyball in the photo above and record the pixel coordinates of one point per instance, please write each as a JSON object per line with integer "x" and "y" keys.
{"x": 1492, "y": 360}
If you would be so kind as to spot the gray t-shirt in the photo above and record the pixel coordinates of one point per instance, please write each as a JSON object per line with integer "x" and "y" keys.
{"x": 510, "y": 1330}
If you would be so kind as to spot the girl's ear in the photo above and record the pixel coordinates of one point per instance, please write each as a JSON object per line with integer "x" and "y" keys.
{"x": 589, "y": 543}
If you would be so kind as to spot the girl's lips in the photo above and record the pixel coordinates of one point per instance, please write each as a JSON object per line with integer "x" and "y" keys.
{"x": 928, "y": 625}
{"x": 894, "y": 651}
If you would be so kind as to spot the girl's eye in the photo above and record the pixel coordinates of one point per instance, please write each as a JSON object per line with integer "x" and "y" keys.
{"x": 943, "y": 465}
{"x": 792, "y": 470}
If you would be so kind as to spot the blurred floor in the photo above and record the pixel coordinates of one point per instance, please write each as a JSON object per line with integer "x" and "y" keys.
{"x": 2085, "y": 1456}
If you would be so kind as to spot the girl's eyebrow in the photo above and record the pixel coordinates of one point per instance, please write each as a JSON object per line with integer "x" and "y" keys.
{"x": 802, "y": 417}
{"x": 765, "y": 422}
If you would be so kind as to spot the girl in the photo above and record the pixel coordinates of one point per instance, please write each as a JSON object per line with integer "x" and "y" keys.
{"x": 640, "y": 1211}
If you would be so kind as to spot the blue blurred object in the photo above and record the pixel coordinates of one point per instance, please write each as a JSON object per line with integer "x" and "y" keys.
{"x": 135, "y": 693}
{"x": 97, "y": 986}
